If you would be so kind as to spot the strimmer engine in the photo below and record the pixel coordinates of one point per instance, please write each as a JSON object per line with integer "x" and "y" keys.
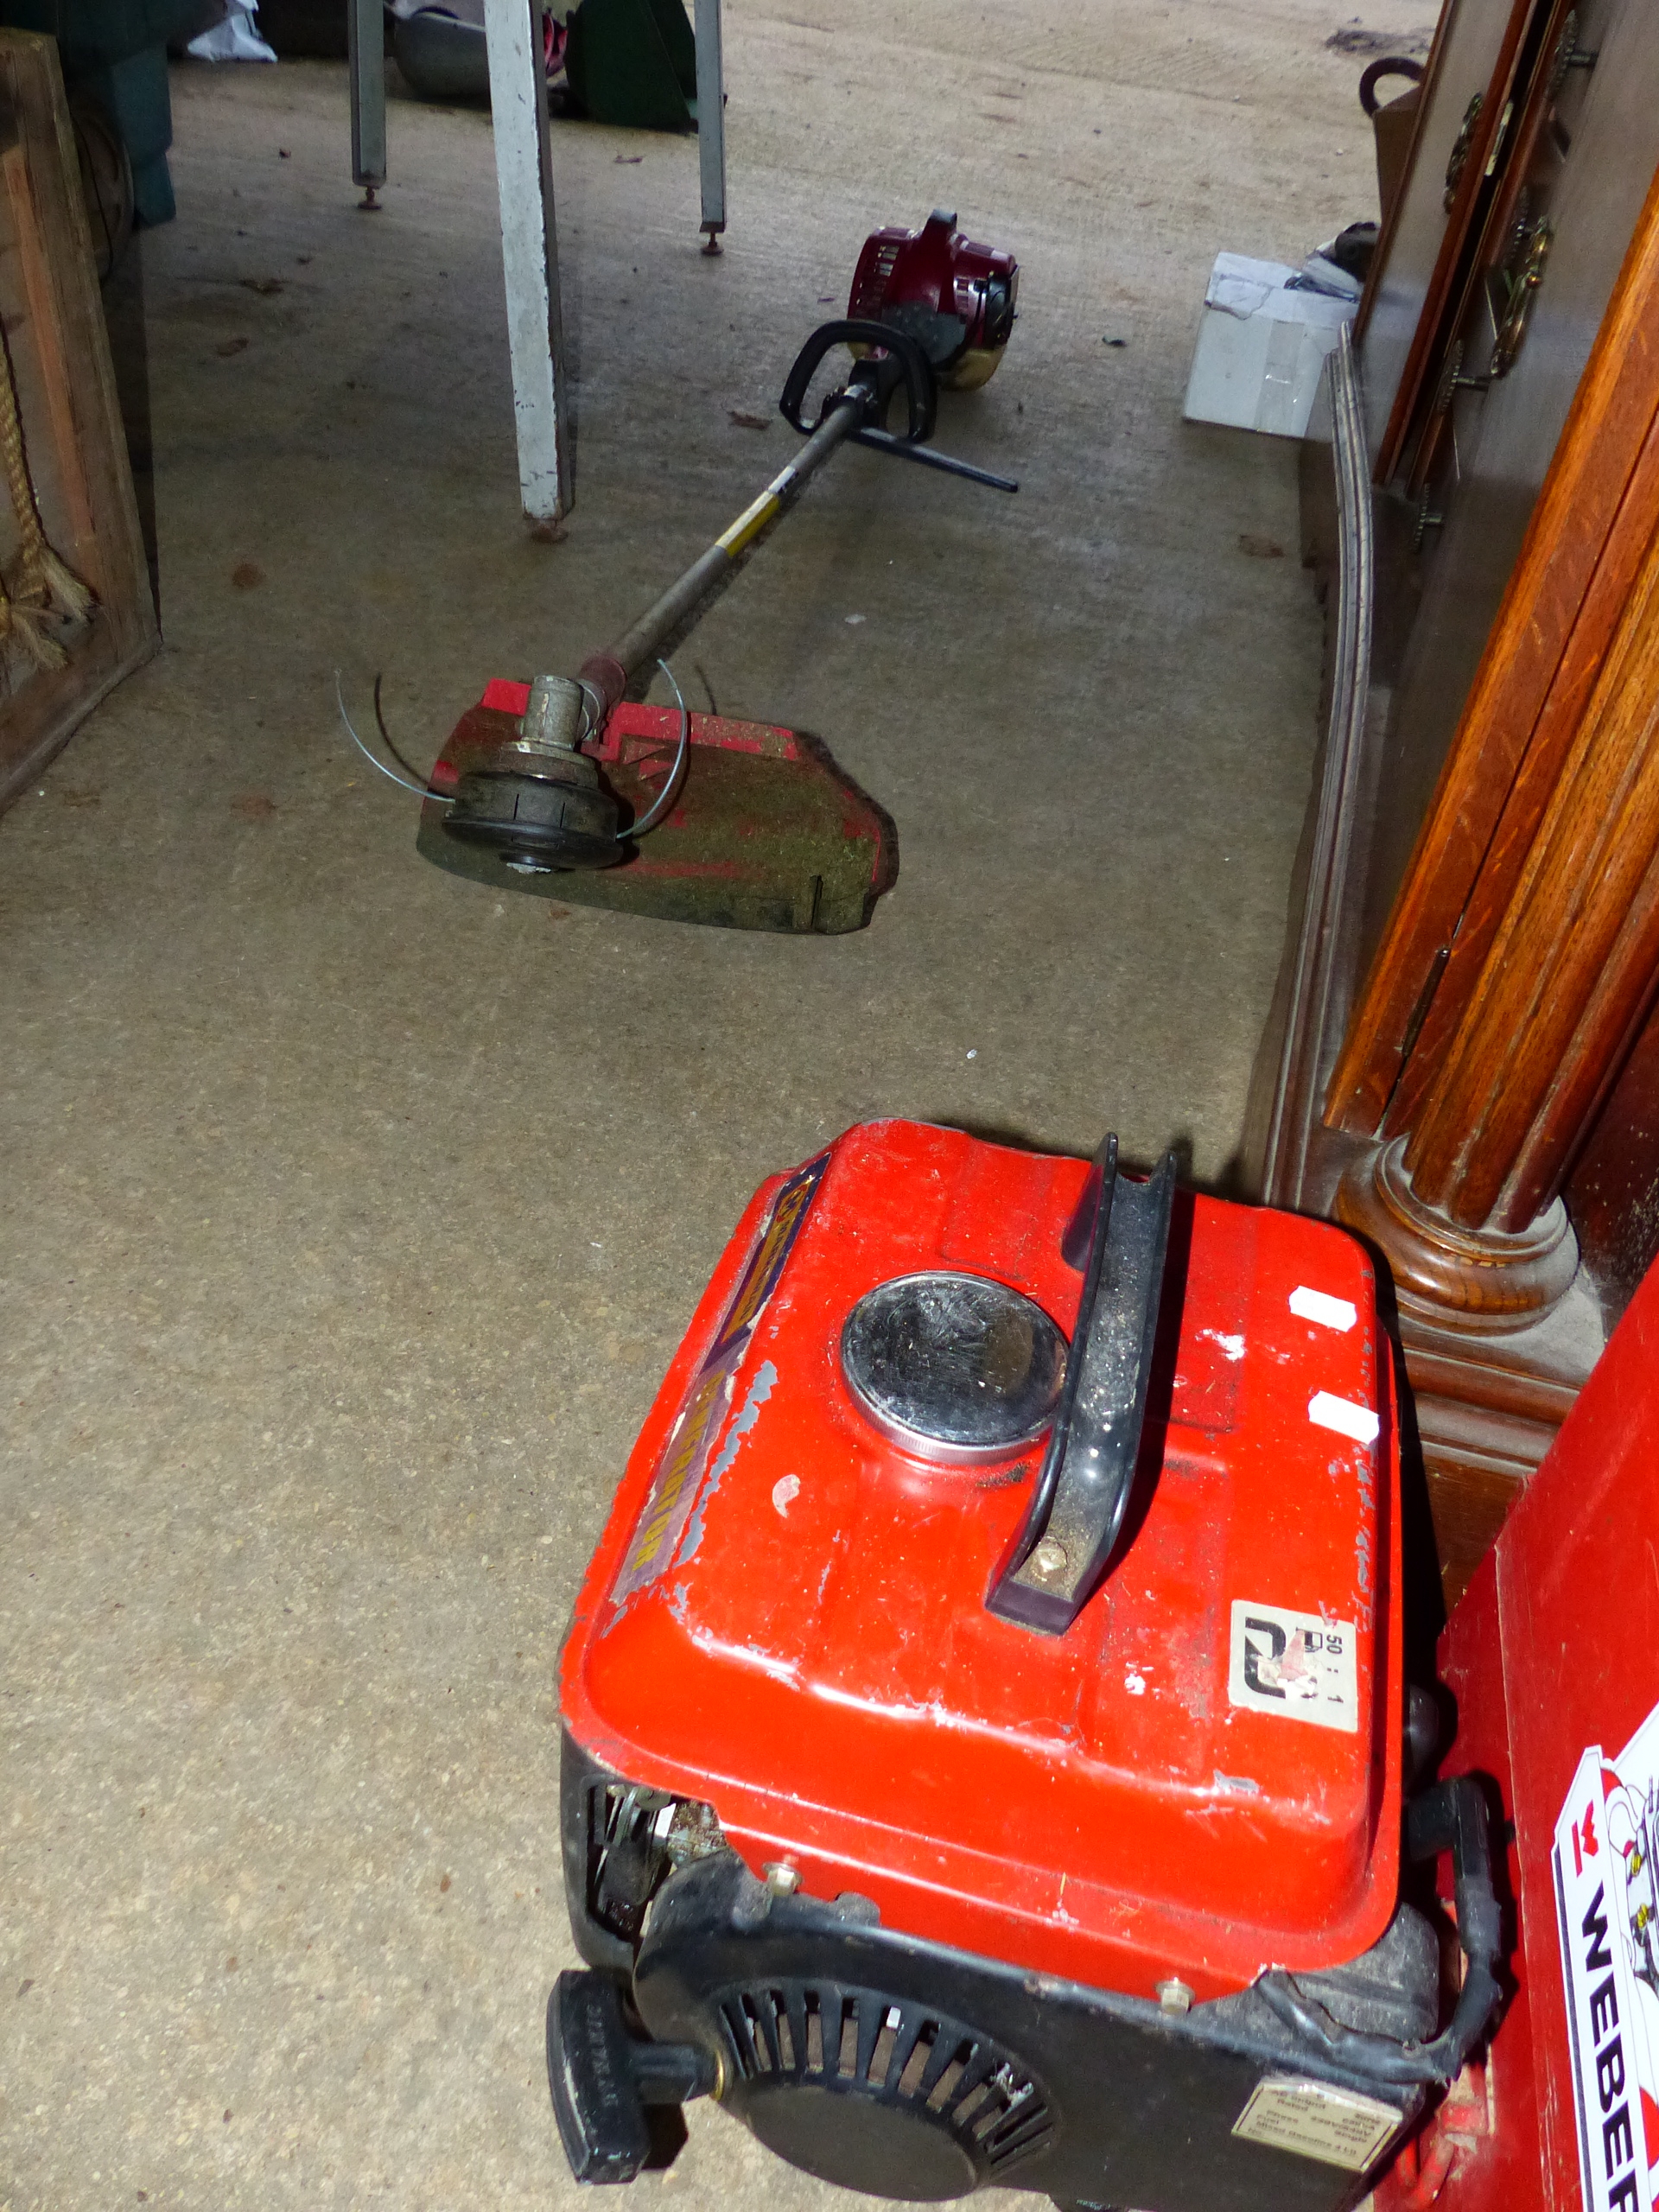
{"x": 957, "y": 299}
{"x": 983, "y": 1751}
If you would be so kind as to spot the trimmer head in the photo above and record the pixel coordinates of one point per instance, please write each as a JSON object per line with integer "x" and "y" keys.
{"x": 766, "y": 831}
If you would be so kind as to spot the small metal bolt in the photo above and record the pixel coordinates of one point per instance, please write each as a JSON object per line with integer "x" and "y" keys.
{"x": 1049, "y": 1558}
{"x": 783, "y": 1881}
{"x": 1174, "y": 1995}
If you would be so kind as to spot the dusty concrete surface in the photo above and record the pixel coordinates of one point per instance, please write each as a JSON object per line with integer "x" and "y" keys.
{"x": 351, "y": 1215}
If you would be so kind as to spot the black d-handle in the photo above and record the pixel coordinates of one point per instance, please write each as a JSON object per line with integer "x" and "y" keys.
{"x": 872, "y": 382}
{"x": 1120, "y": 1237}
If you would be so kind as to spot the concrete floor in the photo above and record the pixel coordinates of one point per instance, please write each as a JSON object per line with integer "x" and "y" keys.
{"x": 352, "y": 1214}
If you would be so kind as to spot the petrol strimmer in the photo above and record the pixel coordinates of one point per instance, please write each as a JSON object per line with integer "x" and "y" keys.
{"x": 557, "y": 785}
{"x": 987, "y": 1757}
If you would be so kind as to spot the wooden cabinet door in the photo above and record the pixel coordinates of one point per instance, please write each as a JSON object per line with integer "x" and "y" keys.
{"x": 1466, "y": 688}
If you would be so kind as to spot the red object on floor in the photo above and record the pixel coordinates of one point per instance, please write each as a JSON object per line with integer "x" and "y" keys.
{"x": 766, "y": 831}
{"x": 786, "y": 1616}
{"x": 1555, "y": 1648}
{"x": 958, "y": 299}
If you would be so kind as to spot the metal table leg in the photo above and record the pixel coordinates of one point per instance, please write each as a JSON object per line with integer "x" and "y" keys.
{"x": 366, "y": 35}
{"x": 529, "y": 254}
{"x": 711, "y": 122}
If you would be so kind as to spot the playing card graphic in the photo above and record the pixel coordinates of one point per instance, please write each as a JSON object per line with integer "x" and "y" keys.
{"x": 1608, "y": 1900}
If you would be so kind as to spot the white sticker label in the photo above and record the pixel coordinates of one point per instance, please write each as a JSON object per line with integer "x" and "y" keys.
{"x": 1327, "y": 1411}
{"x": 1608, "y": 1902}
{"x": 1317, "y": 2121}
{"x": 1300, "y": 1666}
{"x": 1339, "y": 1314}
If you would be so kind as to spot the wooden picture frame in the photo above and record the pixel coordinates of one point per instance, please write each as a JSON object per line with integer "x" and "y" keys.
{"x": 78, "y": 614}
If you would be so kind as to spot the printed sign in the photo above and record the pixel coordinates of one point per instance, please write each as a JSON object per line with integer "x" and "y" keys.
{"x": 1317, "y": 2121}
{"x": 680, "y": 1471}
{"x": 1609, "y": 1910}
{"x": 1300, "y": 1666}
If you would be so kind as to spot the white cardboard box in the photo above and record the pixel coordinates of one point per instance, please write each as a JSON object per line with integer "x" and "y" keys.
{"x": 1262, "y": 345}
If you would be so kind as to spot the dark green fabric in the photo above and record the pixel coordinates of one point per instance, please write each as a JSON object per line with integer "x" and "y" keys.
{"x": 135, "y": 91}
{"x": 634, "y": 63}
{"x": 93, "y": 34}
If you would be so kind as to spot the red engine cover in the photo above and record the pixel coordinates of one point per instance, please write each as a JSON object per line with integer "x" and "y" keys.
{"x": 957, "y": 298}
{"x": 786, "y": 1617}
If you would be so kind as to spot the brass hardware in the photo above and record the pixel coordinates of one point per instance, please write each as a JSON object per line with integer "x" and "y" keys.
{"x": 1498, "y": 137}
{"x": 1453, "y": 380}
{"x": 1520, "y": 230}
{"x": 1454, "y": 167}
{"x": 1521, "y": 289}
{"x": 1568, "y": 53}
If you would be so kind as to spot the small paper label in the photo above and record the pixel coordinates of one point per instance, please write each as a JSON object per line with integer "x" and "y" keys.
{"x": 1300, "y": 1666}
{"x": 1316, "y": 2122}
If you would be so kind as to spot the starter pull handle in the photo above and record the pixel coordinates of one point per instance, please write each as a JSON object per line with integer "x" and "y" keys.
{"x": 602, "y": 2077}
{"x": 1120, "y": 1237}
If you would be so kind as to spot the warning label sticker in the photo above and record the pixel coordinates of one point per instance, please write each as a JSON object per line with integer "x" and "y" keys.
{"x": 1317, "y": 2121}
{"x": 1300, "y": 1666}
{"x": 1608, "y": 1904}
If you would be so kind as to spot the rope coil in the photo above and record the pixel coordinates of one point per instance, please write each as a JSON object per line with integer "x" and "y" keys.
{"x": 44, "y": 590}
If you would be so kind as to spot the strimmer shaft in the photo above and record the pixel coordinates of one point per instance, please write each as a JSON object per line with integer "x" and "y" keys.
{"x": 538, "y": 803}
{"x": 608, "y": 674}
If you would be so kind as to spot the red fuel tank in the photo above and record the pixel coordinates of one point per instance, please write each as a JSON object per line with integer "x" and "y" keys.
{"x": 787, "y": 1616}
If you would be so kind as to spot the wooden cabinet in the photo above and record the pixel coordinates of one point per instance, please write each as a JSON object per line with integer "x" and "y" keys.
{"x": 1464, "y": 1062}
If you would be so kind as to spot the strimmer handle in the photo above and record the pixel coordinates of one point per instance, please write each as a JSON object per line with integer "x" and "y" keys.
{"x": 900, "y": 360}
{"x": 897, "y": 358}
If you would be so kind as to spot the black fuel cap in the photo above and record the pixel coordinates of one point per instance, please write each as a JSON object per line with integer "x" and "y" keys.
{"x": 953, "y": 1366}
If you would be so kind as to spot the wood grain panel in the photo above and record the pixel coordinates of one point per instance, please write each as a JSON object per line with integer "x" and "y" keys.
{"x": 1612, "y": 1192}
{"x": 1566, "y": 981}
{"x": 1607, "y": 432}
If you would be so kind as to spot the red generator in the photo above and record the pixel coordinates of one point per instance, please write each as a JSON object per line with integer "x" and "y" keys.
{"x": 984, "y": 1711}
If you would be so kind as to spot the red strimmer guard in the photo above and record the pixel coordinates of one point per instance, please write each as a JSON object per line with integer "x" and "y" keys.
{"x": 793, "y": 1648}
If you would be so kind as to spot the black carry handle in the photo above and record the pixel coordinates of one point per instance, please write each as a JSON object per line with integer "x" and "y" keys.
{"x": 1450, "y": 1816}
{"x": 876, "y": 381}
{"x": 603, "y": 2078}
{"x": 1119, "y": 1236}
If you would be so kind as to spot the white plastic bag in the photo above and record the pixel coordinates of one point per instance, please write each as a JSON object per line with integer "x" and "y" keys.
{"x": 235, "y": 38}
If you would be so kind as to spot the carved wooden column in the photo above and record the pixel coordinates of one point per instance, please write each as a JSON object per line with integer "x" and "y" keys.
{"x": 1517, "y": 967}
{"x": 1464, "y": 1199}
